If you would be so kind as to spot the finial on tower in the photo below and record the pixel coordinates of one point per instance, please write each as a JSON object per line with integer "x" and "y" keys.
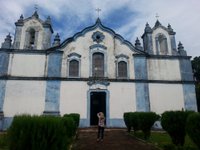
{"x": 56, "y": 40}
{"x": 181, "y": 49}
{"x": 138, "y": 44}
{"x": 7, "y": 43}
{"x": 35, "y": 14}
{"x": 157, "y": 21}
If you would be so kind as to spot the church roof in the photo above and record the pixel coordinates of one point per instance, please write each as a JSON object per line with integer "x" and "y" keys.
{"x": 98, "y": 24}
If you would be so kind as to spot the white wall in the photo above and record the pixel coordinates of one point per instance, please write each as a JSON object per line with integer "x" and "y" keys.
{"x": 24, "y": 97}
{"x": 163, "y": 69}
{"x": 122, "y": 99}
{"x": 165, "y": 97}
{"x": 73, "y": 98}
{"x": 27, "y": 65}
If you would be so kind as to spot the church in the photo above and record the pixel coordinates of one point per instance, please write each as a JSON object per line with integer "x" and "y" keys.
{"x": 95, "y": 70}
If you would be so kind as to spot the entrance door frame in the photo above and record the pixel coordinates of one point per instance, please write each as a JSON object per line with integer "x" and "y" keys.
{"x": 107, "y": 106}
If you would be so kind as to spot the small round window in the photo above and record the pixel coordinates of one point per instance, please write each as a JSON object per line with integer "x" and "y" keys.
{"x": 98, "y": 37}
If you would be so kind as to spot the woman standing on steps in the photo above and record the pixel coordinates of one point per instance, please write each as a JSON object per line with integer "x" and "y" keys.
{"x": 101, "y": 125}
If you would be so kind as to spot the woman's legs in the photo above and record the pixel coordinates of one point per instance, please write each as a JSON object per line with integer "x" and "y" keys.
{"x": 100, "y": 133}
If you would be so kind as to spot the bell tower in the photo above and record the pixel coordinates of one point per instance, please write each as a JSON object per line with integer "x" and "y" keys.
{"x": 33, "y": 33}
{"x": 160, "y": 40}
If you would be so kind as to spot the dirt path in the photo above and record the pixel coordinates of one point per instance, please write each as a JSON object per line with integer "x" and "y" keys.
{"x": 114, "y": 139}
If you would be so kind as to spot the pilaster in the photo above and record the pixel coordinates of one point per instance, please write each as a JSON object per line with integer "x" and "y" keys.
{"x": 52, "y": 98}
{"x": 142, "y": 88}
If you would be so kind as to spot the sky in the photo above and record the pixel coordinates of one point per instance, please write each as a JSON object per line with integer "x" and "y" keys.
{"x": 125, "y": 17}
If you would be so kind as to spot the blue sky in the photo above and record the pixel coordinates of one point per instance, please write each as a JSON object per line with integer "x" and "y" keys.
{"x": 125, "y": 17}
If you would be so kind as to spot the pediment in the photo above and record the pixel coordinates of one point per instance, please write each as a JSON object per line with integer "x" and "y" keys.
{"x": 98, "y": 37}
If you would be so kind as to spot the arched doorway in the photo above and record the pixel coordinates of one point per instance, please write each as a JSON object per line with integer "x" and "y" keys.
{"x": 97, "y": 104}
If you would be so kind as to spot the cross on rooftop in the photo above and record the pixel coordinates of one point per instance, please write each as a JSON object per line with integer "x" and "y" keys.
{"x": 157, "y": 16}
{"x": 36, "y": 7}
{"x": 98, "y": 10}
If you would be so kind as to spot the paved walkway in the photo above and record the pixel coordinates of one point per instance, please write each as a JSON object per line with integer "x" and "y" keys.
{"x": 114, "y": 139}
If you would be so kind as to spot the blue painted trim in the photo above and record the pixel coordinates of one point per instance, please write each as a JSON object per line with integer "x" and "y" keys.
{"x": 54, "y": 65}
{"x": 189, "y": 97}
{"x": 51, "y": 113}
{"x": 83, "y": 123}
{"x": 4, "y": 61}
{"x": 98, "y": 24}
{"x": 186, "y": 70}
{"x": 166, "y": 57}
{"x": 98, "y": 46}
{"x": 140, "y": 67}
{"x": 74, "y": 55}
{"x": 122, "y": 56}
{"x": 114, "y": 122}
{"x": 52, "y": 98}
{"x": 106, "y": 81}
{"x": 117, "y": 123}
{"x": 142, "y": 97}
{"x": 2, "y": 93}
{"x": 7, "y": 121}
{"x": 107, "y": 106}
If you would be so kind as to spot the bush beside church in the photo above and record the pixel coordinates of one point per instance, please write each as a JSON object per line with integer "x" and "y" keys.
{"x": 42, "y": 132}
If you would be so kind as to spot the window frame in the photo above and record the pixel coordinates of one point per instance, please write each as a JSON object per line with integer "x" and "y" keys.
{"x": 120, "y": 58}
{"x": 76, "y": 57}
{"x": 94, "y": 71}
{"x": 118, "y": 71}
{"x": 98, "y": 48}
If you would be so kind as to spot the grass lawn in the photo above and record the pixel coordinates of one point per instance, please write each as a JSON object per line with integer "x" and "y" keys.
{"x": 163, "y": 140}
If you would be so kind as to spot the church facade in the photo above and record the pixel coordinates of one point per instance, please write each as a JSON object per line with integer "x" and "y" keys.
{"x": 95, "y": 70}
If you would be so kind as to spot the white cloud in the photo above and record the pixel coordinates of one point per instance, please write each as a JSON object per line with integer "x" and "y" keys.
{"x": 183, "y": 15}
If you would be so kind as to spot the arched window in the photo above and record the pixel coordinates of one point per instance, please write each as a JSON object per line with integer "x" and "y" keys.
{"x": 73, "y": 68}
{"x": 162, "y": 44}
{"x": 98, "y": 65}
{"x": 122, "y": 69}
{"x": 32, "y": 38}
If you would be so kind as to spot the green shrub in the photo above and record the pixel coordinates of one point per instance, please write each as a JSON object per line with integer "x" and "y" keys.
{"x": 75, "y": 116}
{"x": 174, "y": 123}
{"x": 127, "y": 120}
{"x": 135, "y": 121}
{"x": 140, "y": 121}
{"x": 40, "y": 132}
{"x": 193, "y": 128}
{"x": 3, "y": 140}
{"x": 146, "y": 121}
{"x": 69, "y": 123}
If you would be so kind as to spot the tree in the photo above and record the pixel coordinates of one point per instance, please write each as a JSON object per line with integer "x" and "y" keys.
{"x": 196, "y": 71}
{"x": 196, "y": 68}
{"x": 197, "y": 88}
